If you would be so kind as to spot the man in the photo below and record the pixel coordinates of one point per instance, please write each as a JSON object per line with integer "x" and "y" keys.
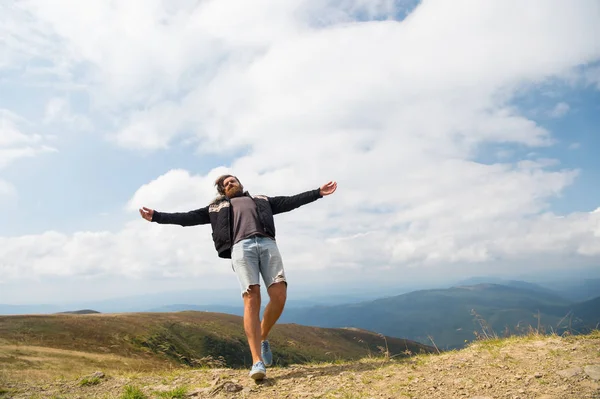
{"x": 243, "y": 230}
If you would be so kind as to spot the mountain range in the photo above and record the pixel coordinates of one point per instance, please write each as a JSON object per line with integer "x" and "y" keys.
{"x": 451, "y": 317}
{"x": 447, "y": 317}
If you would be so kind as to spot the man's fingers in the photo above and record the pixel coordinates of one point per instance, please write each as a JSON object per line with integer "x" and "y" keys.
{"x": 146, "y": 213}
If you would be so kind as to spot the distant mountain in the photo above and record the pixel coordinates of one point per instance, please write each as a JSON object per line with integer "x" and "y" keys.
{"x": 576, "y": 290}
{"x": 444, "y": 315}
{"x": 508, "y": 283}
{"x": 576, "y": 286}
{"x": 233, "y": 310}
{"x": 588, "y": 311}
{"x": 195, "y": 338}
{"x": 83, "y": 311}
{"x": 226, "y": 301}
{"x": 582, "y": 316}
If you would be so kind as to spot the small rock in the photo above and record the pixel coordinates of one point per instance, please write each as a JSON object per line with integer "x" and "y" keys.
{"x": 568, "y": 373}
{"x": 521, "y": 391}
{"x": 593, "y": 371}
{"x": 538, "y": 375}
{"x": 480, "y": 397}
{"x": 98, "y": 374}
{"x": 310, "y": 376}
{"x": 518, "y": 377}
{"x": 232, "y": 387}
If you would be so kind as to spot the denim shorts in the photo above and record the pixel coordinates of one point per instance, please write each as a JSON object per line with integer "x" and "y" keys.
{"x": 256, "y": 256}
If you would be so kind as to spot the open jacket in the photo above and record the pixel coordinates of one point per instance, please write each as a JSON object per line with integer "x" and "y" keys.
{"x": 219, "y": 215}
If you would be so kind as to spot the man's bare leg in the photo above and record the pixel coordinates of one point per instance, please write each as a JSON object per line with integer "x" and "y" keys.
{"x": 277, "y": 297}
{"x": 252, "y": 321}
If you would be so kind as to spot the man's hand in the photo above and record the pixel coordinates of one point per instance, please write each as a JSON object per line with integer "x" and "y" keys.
{"x": 328, "y": 188}
{"x": 146, "y": 213}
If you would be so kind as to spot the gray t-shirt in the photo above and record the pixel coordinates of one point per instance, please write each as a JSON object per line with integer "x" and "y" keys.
{"x": 245, "y": 219}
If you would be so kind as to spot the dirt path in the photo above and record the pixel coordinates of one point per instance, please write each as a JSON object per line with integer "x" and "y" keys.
{"x": 517, "y": 368}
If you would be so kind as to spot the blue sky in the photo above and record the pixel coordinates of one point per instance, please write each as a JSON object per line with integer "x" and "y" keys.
{"x": 463, "y": 137}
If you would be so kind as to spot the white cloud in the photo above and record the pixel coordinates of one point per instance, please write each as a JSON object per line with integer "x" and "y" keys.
{"x": 58, "y": 110}
{"x": 503, "y": 224}
{"x": 559, "y": 110}
{"x": 125, "y": 254}
{"x": 6, "y": 189}
{"x": 14, "y": 144}
{"x": 396, "y": 112}
{"x": 592, "y": 76}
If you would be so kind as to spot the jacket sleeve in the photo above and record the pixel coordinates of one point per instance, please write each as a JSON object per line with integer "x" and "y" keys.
{"x": 191, "y": 218}
{"x": 287, "y": 203}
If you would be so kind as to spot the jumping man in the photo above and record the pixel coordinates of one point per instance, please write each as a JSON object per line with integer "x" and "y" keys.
{"x": 244, "y": 231}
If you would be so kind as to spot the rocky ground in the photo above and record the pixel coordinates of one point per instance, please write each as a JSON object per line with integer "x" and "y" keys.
{"x": 533, "y": 367}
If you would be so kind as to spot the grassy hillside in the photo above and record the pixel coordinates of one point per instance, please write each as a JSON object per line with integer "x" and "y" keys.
{"x": 533, "y": 366}
{"x": 450, "y": 317}
{"x": 190, "y": 338}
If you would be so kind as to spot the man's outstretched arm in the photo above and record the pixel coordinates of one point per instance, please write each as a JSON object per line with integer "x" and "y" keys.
{"x": 282, "y": 204}
{"x": 191, "y": 218}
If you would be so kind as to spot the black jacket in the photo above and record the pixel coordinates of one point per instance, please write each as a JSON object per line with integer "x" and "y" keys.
{"x": 218, "y": 214}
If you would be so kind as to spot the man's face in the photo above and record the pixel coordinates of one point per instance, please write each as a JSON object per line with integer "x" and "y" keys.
{"x": 232, "y": 187}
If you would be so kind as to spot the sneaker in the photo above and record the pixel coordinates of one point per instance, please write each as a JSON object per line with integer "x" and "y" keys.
{"x": 258, "y": 371}
{"x": 266, "y": 354}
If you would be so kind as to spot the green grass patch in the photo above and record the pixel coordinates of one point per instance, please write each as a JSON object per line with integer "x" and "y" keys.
{"x": 89, "y": 381}
{"x": 595, "y": 334}
{"x": 177, "y": 393}
{"x": 132, "y": 392}
{"x": 491, "y": 343}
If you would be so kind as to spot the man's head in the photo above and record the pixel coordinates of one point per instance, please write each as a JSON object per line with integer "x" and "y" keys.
{"x": 229, "y": 185}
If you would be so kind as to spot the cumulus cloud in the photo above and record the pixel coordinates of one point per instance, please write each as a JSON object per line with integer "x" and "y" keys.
{"x": 559, "y": 110}
{"x": 98, "y": 254}
{"x": 592, "y": 76}
{"x": 58, "y": 111}
{"x": 14, "y": 144}
{"x": 302, "y": 92}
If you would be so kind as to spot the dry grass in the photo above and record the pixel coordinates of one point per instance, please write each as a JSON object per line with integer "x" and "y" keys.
{"x": 487, "y": 368}
{"x": 39, "y": 363}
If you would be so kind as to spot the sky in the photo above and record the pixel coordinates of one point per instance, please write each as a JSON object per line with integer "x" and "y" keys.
{"x": 464, "y": 137}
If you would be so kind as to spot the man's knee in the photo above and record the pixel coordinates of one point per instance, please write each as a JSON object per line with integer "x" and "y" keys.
{"x": 252, "y": 294}
{"x": 278, "y": 292}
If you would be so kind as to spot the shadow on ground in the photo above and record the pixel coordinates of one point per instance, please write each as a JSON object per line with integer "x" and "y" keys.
{"x": 326, "y": 370}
